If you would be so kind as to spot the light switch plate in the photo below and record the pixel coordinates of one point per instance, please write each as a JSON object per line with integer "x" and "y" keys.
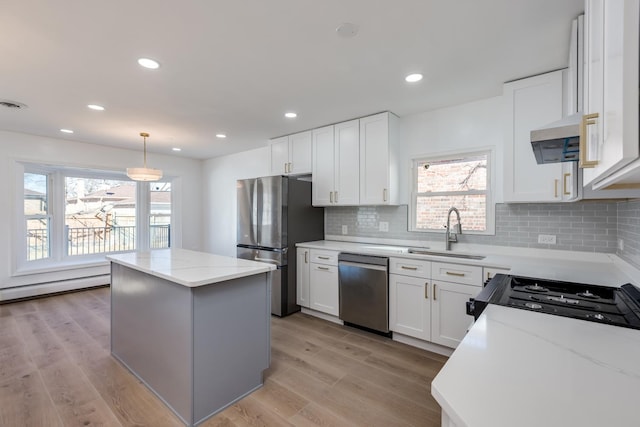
{"x": 345, "y": 229}
{"x": 383, "y": 226}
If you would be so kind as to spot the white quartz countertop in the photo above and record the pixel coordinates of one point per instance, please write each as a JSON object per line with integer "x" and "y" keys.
{"x": 527, "y": 369}
{"x": 190, "y": 268}
{"x": 583, "y": 267}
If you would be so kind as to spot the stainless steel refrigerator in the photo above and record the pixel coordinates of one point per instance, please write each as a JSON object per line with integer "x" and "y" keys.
{"x": 275, "y": 213}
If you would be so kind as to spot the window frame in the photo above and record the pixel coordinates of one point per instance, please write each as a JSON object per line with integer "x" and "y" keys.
{"x": 450, "y": 155}
{"x": 58, "y": 257}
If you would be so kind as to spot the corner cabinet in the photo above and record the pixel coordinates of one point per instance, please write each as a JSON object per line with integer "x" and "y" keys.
{"x": 529, "y": 104}
{"x": 356, "y": 162}
{"x": 611, "y": 97}
{"x": 379, "y": 181}
{"x": 335, "y": 164}
{"x": 291, "y": 155}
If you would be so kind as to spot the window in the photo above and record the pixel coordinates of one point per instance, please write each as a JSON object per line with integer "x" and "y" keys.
{"x": 458, "y": 180}
{"x": 75, "y": 216}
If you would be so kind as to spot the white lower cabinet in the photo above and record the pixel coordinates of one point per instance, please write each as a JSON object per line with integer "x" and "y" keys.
{"x": 409, "y": 307}
{"x": 302, "y": 277}
{"x": 449, "y": 321}
{"x": 323, "y": 281}
{"x": 423, "y": 306}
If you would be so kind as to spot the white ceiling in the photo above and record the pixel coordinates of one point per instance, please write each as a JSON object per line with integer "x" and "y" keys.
{"x": 236, "y": 66}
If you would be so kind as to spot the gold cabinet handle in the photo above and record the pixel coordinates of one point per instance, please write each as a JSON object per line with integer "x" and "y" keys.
{"x": 330, "y": 196}
{"x": 434, "y": 292}
{"x": 306, "y": 257}
{"x": 451, "y": 273}
{"x": 564, "y": 184}
{"x": 426, "y": 290}
{"x": 384, "y": 194}
{"x": 404, "y": 267}
{"x": 555, "y": 188}
{"x": 323, "y": 257}
{"x": 286, "y": 167}
{"x": 587, "y": 120}
{"x": 323, "y": 268}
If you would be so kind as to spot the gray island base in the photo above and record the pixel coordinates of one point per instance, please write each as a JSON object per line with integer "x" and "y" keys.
{"x": 199, "y": 347}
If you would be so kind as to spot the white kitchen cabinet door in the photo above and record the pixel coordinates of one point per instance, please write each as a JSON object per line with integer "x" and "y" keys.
{"x": 323, "y": 288}
{"x": 279, "y": 155}
{"x": 300, "y": 153}
{"x": 410, "y": 306}
{"x": 291, "y": 155}
{"x": 302, "y": 277}
{"x": 346, "y": 162}
{"x": 323, "y": 166}
{"x": 449, "y": 320}
{"x": 378, "y": 177}
{"x": 529, "y": 104}
{"x": 612, "y": 56}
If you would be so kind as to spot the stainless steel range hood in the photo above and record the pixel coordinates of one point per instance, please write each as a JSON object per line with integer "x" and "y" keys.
{"x": 558, "y": 141}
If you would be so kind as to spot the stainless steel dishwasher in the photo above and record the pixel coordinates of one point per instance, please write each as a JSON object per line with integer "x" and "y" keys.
{"x": 364, "y": 291}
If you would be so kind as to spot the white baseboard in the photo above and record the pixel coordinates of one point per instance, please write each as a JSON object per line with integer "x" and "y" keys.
{"x": 322, "y": 315}
{"x": 29, "y": 291}
{"x": 425, "y": 345}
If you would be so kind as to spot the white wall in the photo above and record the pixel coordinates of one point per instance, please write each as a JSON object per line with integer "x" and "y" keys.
{"x": 220, "y": 176}
{"x": 22, "y": 147}
{"x": 462, "y": 127}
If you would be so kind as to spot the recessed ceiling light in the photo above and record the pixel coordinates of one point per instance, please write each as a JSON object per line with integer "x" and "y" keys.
{"x": 290, "y": 115}
{"x": 149, "y": 63}
{"x": 96, "y": 107}
{"x": 412, "y": 78}
{"x": 221, "y": 135}
{"x": 347, "y": 30}
{"x": 176, "y": 149}
{"x": 66, "y": 130}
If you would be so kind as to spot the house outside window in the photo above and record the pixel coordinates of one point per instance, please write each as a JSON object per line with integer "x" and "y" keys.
{"x": 459, "y": 180}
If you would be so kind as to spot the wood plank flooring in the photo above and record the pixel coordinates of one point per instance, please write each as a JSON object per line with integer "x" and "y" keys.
{"x": 56, "y": 370}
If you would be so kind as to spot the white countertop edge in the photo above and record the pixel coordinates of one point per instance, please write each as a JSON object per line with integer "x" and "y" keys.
{"x": 208, "y": 270}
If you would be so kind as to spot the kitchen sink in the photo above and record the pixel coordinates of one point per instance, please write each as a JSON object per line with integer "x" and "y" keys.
{"x": 444, "y": 254}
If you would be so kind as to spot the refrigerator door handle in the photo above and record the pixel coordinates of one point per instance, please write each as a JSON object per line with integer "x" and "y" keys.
{"x": 258, "y": 209}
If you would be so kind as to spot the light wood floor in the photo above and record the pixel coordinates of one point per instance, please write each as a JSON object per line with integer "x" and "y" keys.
{"x": 56, "y": 370}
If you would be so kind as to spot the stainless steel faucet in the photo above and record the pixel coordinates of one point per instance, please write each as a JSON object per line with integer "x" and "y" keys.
{"x": 448, "y": 235}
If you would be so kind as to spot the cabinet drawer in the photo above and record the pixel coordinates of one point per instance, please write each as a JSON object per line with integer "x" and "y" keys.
{"x": 319, "y": 256}
{"x": 457, "y": 273}
{"x": 410, "y": 267}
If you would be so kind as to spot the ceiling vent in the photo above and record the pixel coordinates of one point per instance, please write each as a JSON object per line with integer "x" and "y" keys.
{"x": 12, "y": 104}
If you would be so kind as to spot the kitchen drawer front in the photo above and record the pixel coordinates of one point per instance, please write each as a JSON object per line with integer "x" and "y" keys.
{"x": 319, "y": 256}
{"x": 457, "y": 273}
{"x": 410, "y": 267}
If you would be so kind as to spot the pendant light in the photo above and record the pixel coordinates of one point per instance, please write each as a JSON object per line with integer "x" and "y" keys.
{"x": 144, "y": 173}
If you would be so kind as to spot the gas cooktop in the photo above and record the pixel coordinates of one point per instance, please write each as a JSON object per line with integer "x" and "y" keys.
{"x": 603, "y": 304}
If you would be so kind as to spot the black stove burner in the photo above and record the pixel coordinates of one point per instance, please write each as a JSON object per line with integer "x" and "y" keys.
{"x": 536, "y": 288}
{"x": 602, "y": 304}
{"x": 587, "y": 294}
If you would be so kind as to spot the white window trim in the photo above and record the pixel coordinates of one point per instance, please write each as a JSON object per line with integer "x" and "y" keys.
{"x": 491, "y": 207}
{"x": 58, "y": 259}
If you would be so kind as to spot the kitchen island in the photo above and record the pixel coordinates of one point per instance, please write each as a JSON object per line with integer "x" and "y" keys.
{"x": 194, "y": 327}
{"x": 523, "y": 368}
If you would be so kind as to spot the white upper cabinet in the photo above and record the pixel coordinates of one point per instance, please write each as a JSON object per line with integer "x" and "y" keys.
{"x": 611, "y": 94}
{"x": 323, "y": 170}
{"x": 291, "y": 155}
{"x": 378, "y": 160}
{"x": 529, "y": 104}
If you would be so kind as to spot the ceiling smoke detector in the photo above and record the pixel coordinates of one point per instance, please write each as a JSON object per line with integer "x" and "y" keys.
{"x": 12, "y": 104}
{"x": 347, "y": 30}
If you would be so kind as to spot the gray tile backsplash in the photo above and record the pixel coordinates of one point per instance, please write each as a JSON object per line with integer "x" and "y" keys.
{"x": 629, "y": 231}
{"x": 590, "y": 226}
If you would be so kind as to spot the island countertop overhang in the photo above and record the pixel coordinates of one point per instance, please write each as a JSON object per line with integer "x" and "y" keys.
{"x": 190, "y": 268}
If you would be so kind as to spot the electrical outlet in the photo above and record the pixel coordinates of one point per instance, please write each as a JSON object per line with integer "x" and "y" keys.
{"x": 383, "y": 226}
{"x": 548, "y": 239}
{"x": 345, "y": 229}
{"x": 621, "y": 244}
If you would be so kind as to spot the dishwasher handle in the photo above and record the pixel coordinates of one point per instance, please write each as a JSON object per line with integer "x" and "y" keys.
{"x": 367, "y": 266}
